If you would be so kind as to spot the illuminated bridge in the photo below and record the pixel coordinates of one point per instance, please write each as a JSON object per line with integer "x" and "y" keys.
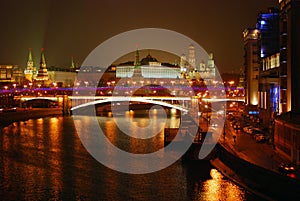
{"x": 84, "y": 101}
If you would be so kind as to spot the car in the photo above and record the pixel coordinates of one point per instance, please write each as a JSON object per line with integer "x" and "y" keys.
{"x": 260, "y": 137}
{"x": 247, "y": 129}
{"x": 214, "y": 122}
{"x": 237, "y": 126}
{"x": 286, "y": 168}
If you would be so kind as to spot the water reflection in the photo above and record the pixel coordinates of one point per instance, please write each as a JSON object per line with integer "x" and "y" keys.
{"x": 219, "y": 188}
{"x": 43, "y": 159}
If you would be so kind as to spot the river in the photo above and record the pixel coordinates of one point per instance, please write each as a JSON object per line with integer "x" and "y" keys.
{"x": 44, "y": 159}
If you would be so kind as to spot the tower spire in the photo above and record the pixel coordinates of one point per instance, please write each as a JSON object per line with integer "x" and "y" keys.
{"x": 42, "y": 73}
{"x": 137, "y": 59}
{"x": 29, "y": 55}
{"x": 30, "y": 60}
{"x": 30, "y": 69}
{"x": 137, "y": 72}
{"x": 72, "y": 63}
{"x": 43, "y": 60}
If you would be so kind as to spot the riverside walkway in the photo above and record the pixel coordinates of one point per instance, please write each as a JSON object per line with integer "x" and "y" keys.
{"x": 260, "y": 154}
{"x": 255, "y": 166}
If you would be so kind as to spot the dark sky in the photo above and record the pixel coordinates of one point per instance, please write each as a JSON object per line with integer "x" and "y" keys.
{"x": 67, "y": 28}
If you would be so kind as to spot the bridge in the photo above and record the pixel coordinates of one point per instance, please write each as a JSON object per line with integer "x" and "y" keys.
{"x": 151, "y": 100}
{"x": 77, "y": 102}
{"x": 120, "y": 98}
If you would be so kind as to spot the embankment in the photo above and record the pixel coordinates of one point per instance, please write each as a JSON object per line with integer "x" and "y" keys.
{"x": 7, "y": 118}
{"x": 257, "y": 179}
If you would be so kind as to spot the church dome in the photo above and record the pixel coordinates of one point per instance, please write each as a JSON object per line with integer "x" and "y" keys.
{"x": 148, "y": 59}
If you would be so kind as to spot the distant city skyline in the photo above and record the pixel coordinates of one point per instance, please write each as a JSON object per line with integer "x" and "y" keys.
{"x": 74, "y": 29}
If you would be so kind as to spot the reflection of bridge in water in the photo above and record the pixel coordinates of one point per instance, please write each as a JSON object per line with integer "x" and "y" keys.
{"x": 192, "y": 125}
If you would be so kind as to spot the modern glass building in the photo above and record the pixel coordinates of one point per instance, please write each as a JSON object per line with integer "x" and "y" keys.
{"x": 268, "y": 89}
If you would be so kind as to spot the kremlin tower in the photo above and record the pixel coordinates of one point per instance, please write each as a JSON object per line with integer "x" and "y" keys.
{"x": 137, "y": 72}
{"x": 30, "y": 70}
{"x": 183, "y": 63}
{"x": 42, "y": 74}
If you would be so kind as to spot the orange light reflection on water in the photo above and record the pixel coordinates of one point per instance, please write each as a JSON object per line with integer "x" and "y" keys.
{"x": 218, "y": 189}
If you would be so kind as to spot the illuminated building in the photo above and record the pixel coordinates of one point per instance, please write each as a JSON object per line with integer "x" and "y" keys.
{"x": 241, "y": 83}
{"x": 148, "y": 67}
{"x": 287, "y": 126}
{"x": 10, "y": 74}
{"x": 268, "y": 90}
{"x": 207, "y": 72}
{"x": 268, "y": 25}
{"x": 192, "y": 60}
{"x": 62, "y": 77}
{"x": 251, "y": 65}
{"x": 289, "y": 55}
{"x": 18, "y": 75}
{"x": 183, "y": 63}
{"x": 269, "y": 87}
{"x": 6, "y": 73}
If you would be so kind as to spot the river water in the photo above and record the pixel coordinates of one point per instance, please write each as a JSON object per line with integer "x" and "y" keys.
{"x": 43, "y": 159}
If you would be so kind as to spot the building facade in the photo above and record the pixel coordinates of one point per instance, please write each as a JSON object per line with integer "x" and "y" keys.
{"x": 6, "y": 73}
{"x": 148, "y": 67}
{"x": 287, "y": 126}
{"x": 251, "y": 65}
{"x": 268, "y": 89}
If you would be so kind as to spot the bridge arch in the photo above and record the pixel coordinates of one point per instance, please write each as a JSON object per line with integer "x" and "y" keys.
{"x": 133, "y": 99}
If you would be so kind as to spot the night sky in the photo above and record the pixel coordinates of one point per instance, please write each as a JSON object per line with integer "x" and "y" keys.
{"x": 67, "y": 28}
